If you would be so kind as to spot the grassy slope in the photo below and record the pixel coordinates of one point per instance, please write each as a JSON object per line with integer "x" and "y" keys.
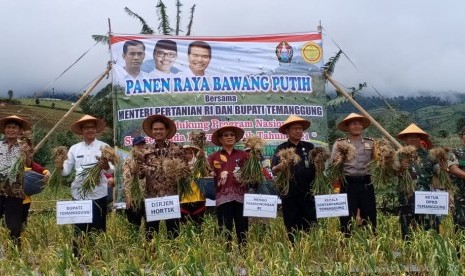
{"x": 42, "y": 115}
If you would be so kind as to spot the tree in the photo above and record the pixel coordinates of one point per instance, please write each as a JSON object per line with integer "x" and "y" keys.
{"x": 100, "y": 105}
{"x": 10, "y": 95}
{"x": 37, "y": 101}
{"x": 164, "y": 27}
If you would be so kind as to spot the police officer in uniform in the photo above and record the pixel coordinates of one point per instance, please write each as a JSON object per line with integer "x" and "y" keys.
{"x": 357, "y": 179}
{"x": 457, "y": 170}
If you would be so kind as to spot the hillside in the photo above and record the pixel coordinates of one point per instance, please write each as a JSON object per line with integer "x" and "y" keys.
{"x": 436, "y": 116}
{"x": 43, "y": 117}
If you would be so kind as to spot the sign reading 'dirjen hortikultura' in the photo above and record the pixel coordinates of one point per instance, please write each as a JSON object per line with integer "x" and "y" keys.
{"x": 162, "y": 208}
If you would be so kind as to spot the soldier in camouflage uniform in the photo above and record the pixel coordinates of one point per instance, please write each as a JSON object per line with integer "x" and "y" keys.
{"x": 457, "y": 170}
{"x": 421, "y": 172}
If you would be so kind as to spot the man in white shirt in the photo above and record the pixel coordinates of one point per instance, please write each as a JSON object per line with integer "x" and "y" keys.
{"x": 199, "y": 54}
{"x": 164, "y": 55}
{"x": 80, "y": 156}
{"x": 133, "y": 55}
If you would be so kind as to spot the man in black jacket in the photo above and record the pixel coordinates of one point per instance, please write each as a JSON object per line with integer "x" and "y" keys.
{"x": 298, "y": 204}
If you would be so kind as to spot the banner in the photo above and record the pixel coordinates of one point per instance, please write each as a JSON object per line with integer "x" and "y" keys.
{"x": 204, "y": 83}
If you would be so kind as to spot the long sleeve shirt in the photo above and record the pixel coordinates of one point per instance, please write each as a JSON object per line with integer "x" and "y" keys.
{"x": 157, "y": 181}
{"x": 8, "y": 156}
{"x": 80, "y": 156}
{"x": 223, "y": 165}
{"x": 303, "y": 173}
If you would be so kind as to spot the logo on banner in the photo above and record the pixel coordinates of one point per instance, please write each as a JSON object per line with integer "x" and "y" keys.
{"x": 311, "y": 52}
{"x": 284, "y": 52}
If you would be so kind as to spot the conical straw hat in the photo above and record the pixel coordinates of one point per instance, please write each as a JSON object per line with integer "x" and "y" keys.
{"x": 147, "y": 125}
{"x": 413, "y": 129}
{"x": 292, "y": 120}
{"x": 25, "y": 125}
{"x": 77, "y": 126}
{"x": 194, "y": 149}
{"x": 344, "y": 124}
{"x": 217, "y": 134}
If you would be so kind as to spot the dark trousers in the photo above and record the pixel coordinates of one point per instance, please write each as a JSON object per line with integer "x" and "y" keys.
{"x": 298, "y": 213}
{"x": 193, "y": 211}
{"x": 172, "y": 228}
{"x": 135, "y": 215}
{"x": 360, "y": 195}
{"x": 230, "y": 213}
{"x": 408, "y": 220}
{"x": 99, "y": 222}
{"x": 26, "y": 207}
{"x": 12, "y": 210}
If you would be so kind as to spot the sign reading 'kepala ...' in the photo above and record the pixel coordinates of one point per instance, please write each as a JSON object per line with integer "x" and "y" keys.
{"x": 162, "y": 208}
{"x": 263, "y": 206}
{"x": 74, "y": 211}
{"x": 331, "y": 205}
{"x": 436, "y": 203}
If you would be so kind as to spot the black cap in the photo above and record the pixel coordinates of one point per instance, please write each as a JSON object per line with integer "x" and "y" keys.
{"x": 138, "y": 140}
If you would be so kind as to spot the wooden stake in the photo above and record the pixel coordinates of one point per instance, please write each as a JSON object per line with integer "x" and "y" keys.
{"x": 363, "y": 111}
{"x": 88, "y": 91}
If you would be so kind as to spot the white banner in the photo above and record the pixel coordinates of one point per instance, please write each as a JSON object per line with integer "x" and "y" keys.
{"x": 258, "y": 205}
{"x": 334, "y": 205}
{"x": 162, "y": 208}
{"x": 74, "y": 211}
{"x": 436, "y": 203}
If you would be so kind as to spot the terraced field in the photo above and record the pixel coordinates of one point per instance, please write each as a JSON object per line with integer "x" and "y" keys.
{"x": 42, "y": 117}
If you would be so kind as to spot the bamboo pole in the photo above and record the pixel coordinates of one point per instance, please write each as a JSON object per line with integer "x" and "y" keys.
{"x": 88, "y": 91}
{"x": 362, "y": 110}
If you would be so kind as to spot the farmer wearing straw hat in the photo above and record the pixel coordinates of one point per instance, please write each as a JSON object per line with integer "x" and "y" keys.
{"x": 298, "y": 204}
{"x": 357, "y": 181}
{"x": 226, "y": 164}
{"x": 158, "y": 181}
{"x": 421, "y": 173}
{"x": 85, "y": 154}
{"x": 456, "y": 166}
{"x": 11, "y": 181}
{"x": 193, "y": 204}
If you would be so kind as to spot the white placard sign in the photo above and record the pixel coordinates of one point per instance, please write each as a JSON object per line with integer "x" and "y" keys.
{"x": 334, "y": 205}
{"x": 161, "y": 208}
{"x": 74, "y": 211}
{"x": 436, "y": 203}
{"x": 263, "y": 206}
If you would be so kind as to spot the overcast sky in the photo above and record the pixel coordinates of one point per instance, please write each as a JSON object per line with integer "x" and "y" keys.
{"x": 397, "y": 46}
